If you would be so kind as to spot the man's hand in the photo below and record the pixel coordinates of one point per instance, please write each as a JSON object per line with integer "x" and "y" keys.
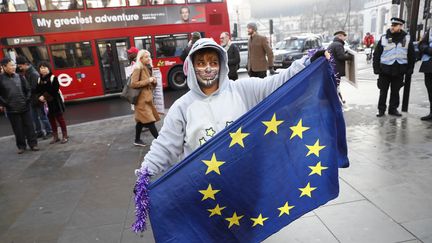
{"x": 410, "y": 71}
{"x": 272, "y": 71}
{"x": 42, "y": 99}
{"x": 1, "y": 108}
{"x": 319, "y": 54}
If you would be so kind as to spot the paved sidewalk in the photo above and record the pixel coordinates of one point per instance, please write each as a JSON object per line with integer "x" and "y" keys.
{"x": 82, "y": 191}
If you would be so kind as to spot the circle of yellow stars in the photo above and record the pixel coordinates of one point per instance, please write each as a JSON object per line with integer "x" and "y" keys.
{"x": 237, "y": 137}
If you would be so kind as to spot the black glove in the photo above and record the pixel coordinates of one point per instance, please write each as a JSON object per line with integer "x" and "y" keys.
{"x": 410, "y": 71}
{"x": 376, "y": 71}
{"x": 317, "y": 55}
{"x": 272, "y": 71}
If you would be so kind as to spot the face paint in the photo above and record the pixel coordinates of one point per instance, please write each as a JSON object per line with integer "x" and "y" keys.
{"x": 206, "y": 68}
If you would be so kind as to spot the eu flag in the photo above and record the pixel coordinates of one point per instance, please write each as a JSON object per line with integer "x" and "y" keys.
{"x": 274, "y": 164}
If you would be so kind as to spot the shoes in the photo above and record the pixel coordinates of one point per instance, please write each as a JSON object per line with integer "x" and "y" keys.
{"x": 64, "y": 140}
{"x": 395, "y": 113}
{"x": 380, "y": 114}
{"x": 427, "y": 118}
{"x": 34, "y": 148}
{"x": 54, "y": 140}
{"x": 20, "y": 151}
{"x": 40, "y": 135}
{"x": 139, "y": 143}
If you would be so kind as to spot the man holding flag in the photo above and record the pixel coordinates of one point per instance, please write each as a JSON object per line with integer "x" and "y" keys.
{"x": 213, "y": 104}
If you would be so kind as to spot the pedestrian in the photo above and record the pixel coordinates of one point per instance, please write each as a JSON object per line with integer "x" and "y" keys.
{"x": 393, "y": 58}
{"x": 132, "y": 54}
{"x": 145, "y": 111}
{"x": 212, "y": 103}
{"x": 37, "y": 108}
{"x": 194, "y": 37}
{"x": 425, "y": 47}
{"x": 368, "y": 40}
{"x": 258, "y": 50}
{"x": 49, "y": 91}
{"x": 233, "y": 55}
{"x": 15, "y": 96}
{"x": 336, "y": 48}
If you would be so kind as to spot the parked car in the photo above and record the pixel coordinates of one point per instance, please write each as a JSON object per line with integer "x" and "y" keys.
{"x": 243, "y": 48}
{"x": 293, "y": 48}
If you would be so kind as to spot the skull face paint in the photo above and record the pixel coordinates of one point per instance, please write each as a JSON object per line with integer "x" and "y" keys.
{"x": 206, "y": 66}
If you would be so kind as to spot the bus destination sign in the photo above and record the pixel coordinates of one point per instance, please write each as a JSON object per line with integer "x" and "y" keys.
{"x": 23, "y": 40}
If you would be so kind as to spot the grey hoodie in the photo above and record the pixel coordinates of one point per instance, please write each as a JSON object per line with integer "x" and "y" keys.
{"x": 196, "y": 117}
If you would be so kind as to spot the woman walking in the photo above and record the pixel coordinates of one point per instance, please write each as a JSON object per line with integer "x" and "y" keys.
{"x": 48, "y": 89}
{"x": 145, "y": 112}
{"x": 425, "y": 46}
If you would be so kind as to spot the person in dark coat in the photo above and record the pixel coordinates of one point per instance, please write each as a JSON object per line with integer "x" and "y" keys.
{"x": 336, "y": 48}
{"x": 49, "y": 90}
{"x": 393, "y": 58}
{"x": 194, "y": 37}
{"x": 425, "y": 47}
{"x": 15, "y": 100}
{"x": 233, "y": 55}
{"x": 37, "y": 107}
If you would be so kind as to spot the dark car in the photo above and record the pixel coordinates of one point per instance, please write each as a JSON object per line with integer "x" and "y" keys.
{"x": 293, "y": 48}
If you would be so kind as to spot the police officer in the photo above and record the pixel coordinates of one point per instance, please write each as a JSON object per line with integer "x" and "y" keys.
{"x": 394, "y": 57}
{"x": 425, "y": 47}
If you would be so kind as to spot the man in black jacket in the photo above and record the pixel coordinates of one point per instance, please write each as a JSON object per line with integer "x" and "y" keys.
{"x": 336, "y": 48}
{"x": 393, "y": 57}
{"x": 14, "y": 96}
{"x": 233, "y": 55}
{"x": 425, "y": 47}
{"x": 37, "y": 109}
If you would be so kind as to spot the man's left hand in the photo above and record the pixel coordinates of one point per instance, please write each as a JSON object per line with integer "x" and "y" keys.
{"x": 272, "y": 71}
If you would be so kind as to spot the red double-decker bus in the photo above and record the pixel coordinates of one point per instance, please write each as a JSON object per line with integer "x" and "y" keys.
{"x": 86, "y": 40}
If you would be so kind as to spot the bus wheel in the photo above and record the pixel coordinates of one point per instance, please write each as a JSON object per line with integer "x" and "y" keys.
{"x": 176, "y": 78}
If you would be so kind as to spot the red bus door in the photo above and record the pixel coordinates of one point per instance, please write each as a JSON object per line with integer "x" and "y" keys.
{"x": 112, "y": 61}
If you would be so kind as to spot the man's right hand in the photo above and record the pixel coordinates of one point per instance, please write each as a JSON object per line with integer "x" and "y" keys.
{"x": 1, "y": 108}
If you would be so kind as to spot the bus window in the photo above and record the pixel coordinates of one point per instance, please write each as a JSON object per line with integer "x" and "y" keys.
{"x": 137, "y": 2}
{"x": 161, "y": 2}
{"x": 71, "y": 55}
{"x": 205, "y": 1}
{"x": 34, "y": 54}
{"x": 17, "y": 6}
{"x": 61, "y": 4}
{"x": 170, "y": 45}
{"x": 106, "y": 3}
{"x": 144, "y": 42}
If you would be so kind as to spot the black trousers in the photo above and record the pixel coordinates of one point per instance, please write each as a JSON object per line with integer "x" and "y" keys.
{"x": 428, "y": 83}
{"x": 22, "y": 126}
{"x": 262, "y": 74}
{"x": 394, "y": 83}
{"x": 151, "y": 126}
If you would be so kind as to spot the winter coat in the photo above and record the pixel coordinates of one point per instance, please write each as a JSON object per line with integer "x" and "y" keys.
{"x": 196, "y": 117}
{"x": 258, "y": 50}
{"x": 395, "y": 69}
{"x": 145, "y": 111}
{"x": 233, "y": 61}
{"x": 32, "y": 77}
{"x": 336, "y": 48}
{"x": 426, "y": 66}
{"x": 49, "y": 87}
{"x": 15, "y": 93}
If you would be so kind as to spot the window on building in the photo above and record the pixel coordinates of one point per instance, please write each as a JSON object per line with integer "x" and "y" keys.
{"x": 137, "y": 2}
{"x": 61, "y": 4}
{"x": 71, "y": 55}
{"x": 106, "y": 3}
{"x": 7, "y": 6}
{"x": 144, "y": 42}
{"x": 170, "y": 45}
{"x": 34, "y": 54}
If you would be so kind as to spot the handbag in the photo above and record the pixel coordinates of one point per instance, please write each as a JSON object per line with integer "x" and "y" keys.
{"x": 130, "y": 94}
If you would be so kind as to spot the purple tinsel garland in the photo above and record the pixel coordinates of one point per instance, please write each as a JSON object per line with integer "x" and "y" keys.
{"x": 332, "y": 62}
{"x": 142, "y": 201}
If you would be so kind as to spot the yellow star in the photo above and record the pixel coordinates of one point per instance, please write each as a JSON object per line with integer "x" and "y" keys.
{"x": 234, "y": 220}
{"x": 317, "y": 169}
{"x": 307, "y": 190}
{"x": 202, "y": 141}
{"x": 210, "y": 132}
{"x": 260, "y": 220}
{"x": 298, "y": 130}
{"x": 213, "y": 164}
{"x": 285, "y": 209}
{"x": 314, "y": 149}
{"x": 237, "y": 137}
{"x": 209, "y": 193}
{"x": 272, "y": 125}
{"x": 216, "y": 211}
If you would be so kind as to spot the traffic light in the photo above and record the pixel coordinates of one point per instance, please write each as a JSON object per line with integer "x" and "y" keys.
{"x": 234, "y": 33}
{"x": 271, "y": 26}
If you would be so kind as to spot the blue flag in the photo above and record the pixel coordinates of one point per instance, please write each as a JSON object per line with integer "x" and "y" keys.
{"x": 271, "y": 166}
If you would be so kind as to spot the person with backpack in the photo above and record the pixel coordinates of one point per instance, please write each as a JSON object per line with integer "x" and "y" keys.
{"x": 48, "y": 89}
